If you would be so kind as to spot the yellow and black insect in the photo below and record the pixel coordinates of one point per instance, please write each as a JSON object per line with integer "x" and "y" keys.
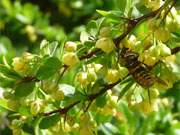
{"x": 139, "y": 71}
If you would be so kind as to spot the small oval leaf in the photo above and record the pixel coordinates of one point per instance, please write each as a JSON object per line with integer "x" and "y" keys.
{"x": 49, "y": 121}
{"x": 48, "y": 68}
{"x": 23, "y": 89}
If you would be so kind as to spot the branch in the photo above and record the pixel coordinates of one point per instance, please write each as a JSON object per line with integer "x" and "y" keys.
{"x": 169, "y": 9}
{"x": 91, "y": 97}
{"x": 62, "y": 110}
{"x": 89, "y": 55}
{"x": 65, "y": 67}
{"x": 134, "y": 22}
{"x": 175, "y": 50}
{"x": 102, "y": 91}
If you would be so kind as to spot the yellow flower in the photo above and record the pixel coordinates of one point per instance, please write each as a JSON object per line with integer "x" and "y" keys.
{"x": 70, "y": 59}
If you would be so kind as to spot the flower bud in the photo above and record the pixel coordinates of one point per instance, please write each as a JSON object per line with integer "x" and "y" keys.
{"x": 58, "y": 95}
{"x": 104, "y": 32}
{"x": 50, "y": 87}
{"x": 82, "y": 78}
{"x": 84, "y": 118}
{"x": 70, "y": 59}
{"x": 13, "y": 104}
{"x": 123, "y": 72}
{"x": 147, "y": 43}
{"x": 152, "y": 4}
{"x": 128, "y": 43}
{"x": 108, "y": 110}
{"x": 165, "y": 102}
{"x": 153, "y": 93}
{"x": 154, "y": 51}
{"x": 70, "y": 46}
{"x": 25, "y": 65}
{"x": 30, "y": 29}
{"x": 16, "y": 131}
{"x": 153, "y": 24}
{"x": 97, "y": 67}
{"x": 146, "y": 107}
{"x": 36, "y": 107}
{"x": 150, "y": 61}
{"x": 164, "y": 50}
{"x": 105, "y": 44}
{"x": 75, "y": 127}
{"x": 113, "y": 75}
{"x": 113, "y": 101}
{"x": 19, "y": 65}
{"x": 172, "y": 24}
{"x": 7, "y": 94}
{"x": 162, "y": 34}
{"x": 91, "y": 75}
{"x": 71, "y": 120}
{"x": 85, "y": 131}
{"x": 27, "y": 57}
{"x": 16, "y": 123}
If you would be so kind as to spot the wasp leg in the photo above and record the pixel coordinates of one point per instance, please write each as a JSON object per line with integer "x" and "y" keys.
{"x": 149, "y": 97}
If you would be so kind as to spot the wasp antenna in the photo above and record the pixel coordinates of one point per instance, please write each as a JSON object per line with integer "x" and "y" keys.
{"x": 65, "y": 118}
{"x": 160, "y": 81}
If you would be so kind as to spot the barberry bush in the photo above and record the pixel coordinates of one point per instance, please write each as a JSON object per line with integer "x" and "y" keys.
{"x": 121, "y": 75}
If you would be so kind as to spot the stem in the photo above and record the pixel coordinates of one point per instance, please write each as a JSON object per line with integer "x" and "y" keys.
{"x": 65, "y": 67}
{"x": 175, "y": 50}
{"x": 169, "y": 9}
{"x": 62, "y": 111}
{"x": 89, "y": 98}
{"x": 89, "y": 55}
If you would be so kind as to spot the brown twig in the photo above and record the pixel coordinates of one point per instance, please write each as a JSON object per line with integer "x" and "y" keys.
{"x": 89, "y": 55}
{"x": 175, "y": 50}
{"x": 89, "y": 98}
{"x": 62, "y": 110}
{"x": 169, "y": 9}
{"x": 65, "y": 67}
{"x": 102, "y": 91}
{"x": 133, "y": 23}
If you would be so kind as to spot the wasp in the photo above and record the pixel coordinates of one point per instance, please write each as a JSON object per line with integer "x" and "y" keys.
{"x": 139, "y": 71}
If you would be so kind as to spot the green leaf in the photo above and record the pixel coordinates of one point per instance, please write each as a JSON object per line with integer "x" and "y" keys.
{"x": 111, "y": 128}
{"x": 3, "y": 103}
{"x": 132, "y": 118}
{"x": 125, "y": 89}
{"x": 53, "y": 46}
{"x": 9, "y": 72}
{"x": 6, "y": 82}
{"x": 140, "y": 30}
{"x": 6, "y": 47}
{"x": 7, "y": 5}
{"x": 67, "y": 89}
{"x": 92, "y": 27}
{"x": 48, "y": 68}
{"x": 112, "y": 13}
{"x": 44, "y": 48}
{"x": 24, "y": 110}
{"x": 121, "y": 4}
{"x": 23, "y": 89}
{"x": 102, "y": 12}
{"x": 61, "y": 49}
{"x": 49, "y": 121}
{"x": 101, "y": 101}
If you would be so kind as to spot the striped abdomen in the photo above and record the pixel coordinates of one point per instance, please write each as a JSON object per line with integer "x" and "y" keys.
{"x": 137, "y": 69}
